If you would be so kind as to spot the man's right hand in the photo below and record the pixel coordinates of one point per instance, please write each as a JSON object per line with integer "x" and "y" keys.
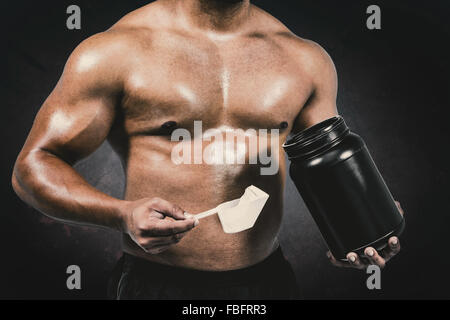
{"x": 156, "y": 224}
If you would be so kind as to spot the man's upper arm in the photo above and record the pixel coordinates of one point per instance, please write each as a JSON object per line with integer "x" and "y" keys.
{"x": 75, "y": 119}
{"x": 321, "y": 104}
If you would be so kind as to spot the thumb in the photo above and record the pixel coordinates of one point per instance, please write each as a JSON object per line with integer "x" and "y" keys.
{"x": 168, "y": 209}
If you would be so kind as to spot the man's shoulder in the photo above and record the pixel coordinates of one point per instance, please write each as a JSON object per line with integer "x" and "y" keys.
{"x": 100, "y": 52}
{"x": 125, "y": 34}
{"x": 112, "y": 47}
{"x": 307, "y": 51}
{"x": 144, "y": 19}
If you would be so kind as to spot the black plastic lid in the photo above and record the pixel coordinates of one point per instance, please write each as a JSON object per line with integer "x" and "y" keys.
{"x": 314, "y": 139}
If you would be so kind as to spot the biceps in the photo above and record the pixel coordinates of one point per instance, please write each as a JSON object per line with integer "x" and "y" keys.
{"x": 71, "y": 130}
{"x": 321, "y": 104}
{"x": 317, "y": 109}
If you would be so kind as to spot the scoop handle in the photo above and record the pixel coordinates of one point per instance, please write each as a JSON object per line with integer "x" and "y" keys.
{"x": 205, "y": 214}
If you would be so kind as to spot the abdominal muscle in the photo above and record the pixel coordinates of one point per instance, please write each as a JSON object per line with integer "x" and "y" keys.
{"x": 197, "y": 188}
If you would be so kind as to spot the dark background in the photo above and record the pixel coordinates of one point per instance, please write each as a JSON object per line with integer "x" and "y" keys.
{"x": 393, "y": 91}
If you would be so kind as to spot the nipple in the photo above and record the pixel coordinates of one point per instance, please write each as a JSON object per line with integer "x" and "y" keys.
{"x": 284, "y": 125}
{"x": 168, "y": 127}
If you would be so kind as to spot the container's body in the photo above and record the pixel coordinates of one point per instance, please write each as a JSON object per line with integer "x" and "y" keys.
{"x": 342, "y": 188}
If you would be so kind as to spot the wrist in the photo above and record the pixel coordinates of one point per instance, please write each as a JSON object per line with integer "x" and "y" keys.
{"x": 123, "y": 213}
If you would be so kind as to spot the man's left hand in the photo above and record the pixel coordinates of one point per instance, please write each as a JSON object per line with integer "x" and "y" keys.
{"x": 371, "y": 256}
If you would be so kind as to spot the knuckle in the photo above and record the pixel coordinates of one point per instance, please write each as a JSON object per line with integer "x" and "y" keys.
{"x": 154, "y": 201}
{"x": 143, "y": 226}
{"x": 143, "y": 242}
{"x": 180, "y": 210}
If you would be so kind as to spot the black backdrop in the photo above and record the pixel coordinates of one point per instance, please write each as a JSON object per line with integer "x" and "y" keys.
{"x": 393, "y": 91}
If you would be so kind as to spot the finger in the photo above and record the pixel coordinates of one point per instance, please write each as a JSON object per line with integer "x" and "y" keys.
{"x": 399, "y": 207}
{"x": 392, "y": 248}
{"x": 374, "y": 258}
{"x": 178, "y": 213}
{"x": 337, "y": 263}
{"x": 167, "y": 208}
{"x": 168, "y": 227}
{"x": 355, "y": 261}
{"x": 157, "y": 214}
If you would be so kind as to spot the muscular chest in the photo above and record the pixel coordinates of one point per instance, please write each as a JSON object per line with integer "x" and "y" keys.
{"x": 239, "y": 84}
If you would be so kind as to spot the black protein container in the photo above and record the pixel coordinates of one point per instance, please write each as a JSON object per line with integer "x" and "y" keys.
{"x": 342, "y": 188}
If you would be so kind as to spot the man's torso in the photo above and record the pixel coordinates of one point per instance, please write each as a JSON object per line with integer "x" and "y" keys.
{"x": 174, "y": 77}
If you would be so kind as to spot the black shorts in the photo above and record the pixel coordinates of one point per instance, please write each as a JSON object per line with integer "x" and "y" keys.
{"x": 137, "y": 278}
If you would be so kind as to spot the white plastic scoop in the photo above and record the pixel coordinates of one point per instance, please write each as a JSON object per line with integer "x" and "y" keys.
{"x": 239, "y": 214}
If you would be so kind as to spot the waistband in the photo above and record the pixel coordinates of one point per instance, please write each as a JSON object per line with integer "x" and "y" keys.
{"x": 142, "y": 267}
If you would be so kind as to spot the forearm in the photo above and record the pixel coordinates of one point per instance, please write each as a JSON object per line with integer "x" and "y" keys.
{"x": 53, "y": 187}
